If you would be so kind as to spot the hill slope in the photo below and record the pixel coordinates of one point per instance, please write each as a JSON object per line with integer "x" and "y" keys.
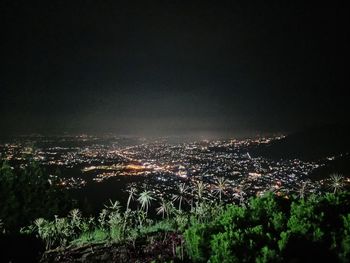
{"x": 310, "y": 145}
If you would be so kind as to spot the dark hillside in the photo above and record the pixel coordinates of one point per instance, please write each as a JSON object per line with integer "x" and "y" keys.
{"x": 310, "y": 145}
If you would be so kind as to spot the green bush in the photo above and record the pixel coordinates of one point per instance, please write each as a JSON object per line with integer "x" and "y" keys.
{"x": 273, "y": 229}
{"x": 27, "y": 194}
{"x": 267, "y": 229}
{"x": 96, "y": 235}
{"x": 345, "y": 239}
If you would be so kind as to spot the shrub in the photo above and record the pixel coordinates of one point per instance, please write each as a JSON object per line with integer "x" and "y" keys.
{"x": 271, "y": 229}
{"x": 29, "y": 193}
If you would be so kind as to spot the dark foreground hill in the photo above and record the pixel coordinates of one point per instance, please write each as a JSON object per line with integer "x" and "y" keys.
{"x": 310, "y": 145}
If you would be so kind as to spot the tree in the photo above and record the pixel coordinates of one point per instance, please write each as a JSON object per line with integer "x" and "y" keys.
{"x": 181, "y": 194}
{"x": 163, "y": 208}
{"x": 145, "y": 199}
{"x": 132, "y": 194}
{"x": 221, "y": 184}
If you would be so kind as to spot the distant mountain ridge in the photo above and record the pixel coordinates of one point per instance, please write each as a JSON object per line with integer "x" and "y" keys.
{"x": 311, "y": 144}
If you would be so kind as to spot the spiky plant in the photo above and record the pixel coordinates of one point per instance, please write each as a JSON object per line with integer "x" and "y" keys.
{"x": 199, "y": 189}
{"x": 75, "y": 218}
{"x": 239, "y": 195}
{"x": 63, "y": 231}
{"x": 115, "y": 222}
{"x": 113, "y": 206}
{"x": 220, "y": 187}
{"x": 337, "y": 182}
{"x": 302, "y": 190}
{"x": 39, "y": 224}
{"x": 102, "y": 218}
{"x": 127, "y": 221}
{"x": 181, "y": 194}
{"x": 162, "y": 209}
{"x": 141, "y": 217}
{"x": 46, "y": 231}
{"x": 145, "y": 199}
{"x": 165, "y": 208}
{"x": 132, "y": 190}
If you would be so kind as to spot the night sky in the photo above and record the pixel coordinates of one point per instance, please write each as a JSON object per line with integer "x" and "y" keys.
{"x": 172, "y": 67}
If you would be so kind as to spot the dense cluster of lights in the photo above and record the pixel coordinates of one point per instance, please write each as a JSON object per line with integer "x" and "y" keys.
{"x": 166, "y": 164}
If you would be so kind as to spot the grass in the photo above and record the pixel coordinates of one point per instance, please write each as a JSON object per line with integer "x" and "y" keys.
{"x": 91, "y": 237}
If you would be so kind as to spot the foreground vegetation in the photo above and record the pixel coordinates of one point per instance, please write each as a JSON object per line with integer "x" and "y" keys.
{"x": 28, "y": 193}
{"x": 262, "y": 229}
{"x": 266, "y": 229}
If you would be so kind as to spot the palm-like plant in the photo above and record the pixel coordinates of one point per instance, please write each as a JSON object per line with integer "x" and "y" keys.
{"x": 337, "y": 182}
{"x": 127, "y": 220}
{"x": 145, "y": 199}
{"x": 113, "y": 206}
{"x": 239, "y": 195}
{"x": 181, "y": 194}
{"x": 221, "y": 184}
{"x": 302, "y": 190}
{"x": 75, "y": 218}
{"x": 163, "y": 208}
{"x": 141, "y": 217}
{"x": 45, "y": 231}
{"x": 132, "y": 190}
{"x": 199, "y": 189}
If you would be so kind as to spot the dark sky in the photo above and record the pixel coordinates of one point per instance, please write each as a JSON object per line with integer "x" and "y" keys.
{"x": 172, "y": 67}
